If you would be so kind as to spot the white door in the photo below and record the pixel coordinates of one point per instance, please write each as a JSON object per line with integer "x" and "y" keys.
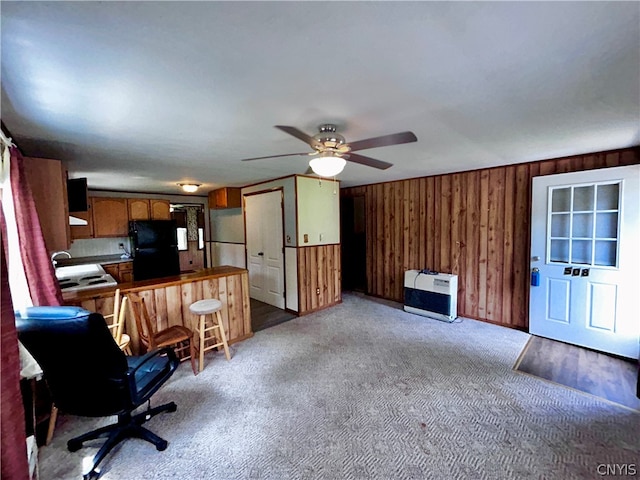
{"x": 265, "y": 256}
{"x": 585, "y": 242}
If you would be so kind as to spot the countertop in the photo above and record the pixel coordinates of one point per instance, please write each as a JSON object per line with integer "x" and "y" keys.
{"x": 101, "y": 259}
{"x": 222, "y": 271}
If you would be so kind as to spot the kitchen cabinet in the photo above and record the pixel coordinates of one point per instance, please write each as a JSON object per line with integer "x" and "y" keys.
{"x": 226, "y": 197}
{"x": 138, "y": 209}
{"x": 47, "y": 179}
{"x": 110, "y": 217}
{"x": 122, "y": 272}
{"x": 83, "y": 231}
{"x": 145, "y": 209}
{"x": 160, "y": 209}
{"x": 126, "y": 272}
{"x": 112, "y": 269}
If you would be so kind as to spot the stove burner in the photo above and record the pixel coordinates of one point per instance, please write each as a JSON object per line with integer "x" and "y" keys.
{"x": 95, "y": 282}
{"x": 91, "y": 277}
{"x": 68, "y": 284}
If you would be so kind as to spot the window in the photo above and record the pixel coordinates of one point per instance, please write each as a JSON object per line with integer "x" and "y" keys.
{"x": 584, "y": 224}
{"x": 182, "y": 239}
{"x": 200, "y": 238}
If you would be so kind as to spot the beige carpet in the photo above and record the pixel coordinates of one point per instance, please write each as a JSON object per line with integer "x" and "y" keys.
{"x": 365, "y": 390}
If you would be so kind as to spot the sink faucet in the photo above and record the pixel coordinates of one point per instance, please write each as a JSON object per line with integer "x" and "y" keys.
{"x": 55, "y": 254}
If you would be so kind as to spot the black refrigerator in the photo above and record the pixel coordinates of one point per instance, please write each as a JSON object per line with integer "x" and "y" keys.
{"x": 155, "y": 248}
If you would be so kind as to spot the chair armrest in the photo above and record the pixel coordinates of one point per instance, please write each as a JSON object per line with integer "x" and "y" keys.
{"x": 141, "y": 392}
{"x": 152, "y": 354}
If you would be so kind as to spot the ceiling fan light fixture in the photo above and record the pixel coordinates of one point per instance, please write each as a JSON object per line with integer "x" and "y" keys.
{"x": 327, "y": 166}
{"x": 328, "y": 136}
{"x": 189, "y": 187}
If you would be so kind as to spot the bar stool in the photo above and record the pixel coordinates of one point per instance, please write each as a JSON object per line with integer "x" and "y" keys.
{"x": 203, "y": 308}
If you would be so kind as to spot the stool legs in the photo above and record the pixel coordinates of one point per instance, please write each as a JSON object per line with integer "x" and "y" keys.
{"x": 223, "y": 336}
{"x": 203, "y": 321}
{"x": 217, "y": 320}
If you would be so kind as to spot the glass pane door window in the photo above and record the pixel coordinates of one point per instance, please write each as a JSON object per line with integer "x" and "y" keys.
{"x": 583, "y": 224}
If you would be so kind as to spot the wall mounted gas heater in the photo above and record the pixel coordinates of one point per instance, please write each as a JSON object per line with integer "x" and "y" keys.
{"x": 431, "y": 294}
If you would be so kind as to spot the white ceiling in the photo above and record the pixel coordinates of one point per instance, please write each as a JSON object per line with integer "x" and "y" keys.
{"x": 138, "y": 96}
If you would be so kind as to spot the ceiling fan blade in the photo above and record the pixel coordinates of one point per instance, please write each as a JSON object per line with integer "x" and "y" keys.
{"x": 383, "y": 141}
{"x": 274, "y": 156}
{"x": 300, "y": 135}
{"x": 368, "y": 161}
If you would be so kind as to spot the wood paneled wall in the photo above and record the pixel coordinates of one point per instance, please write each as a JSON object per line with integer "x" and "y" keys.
{"x": 319, "y": 277}
{"x": 475, "y": 224}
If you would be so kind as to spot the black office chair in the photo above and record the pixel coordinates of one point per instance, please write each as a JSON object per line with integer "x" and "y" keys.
{"x": 89, "y": 375}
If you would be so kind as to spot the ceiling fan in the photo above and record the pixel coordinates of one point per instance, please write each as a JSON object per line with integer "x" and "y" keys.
{"x": 331, "y": 151}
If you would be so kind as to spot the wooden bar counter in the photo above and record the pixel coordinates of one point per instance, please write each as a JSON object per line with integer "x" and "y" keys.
{"x": 168, "y": 300}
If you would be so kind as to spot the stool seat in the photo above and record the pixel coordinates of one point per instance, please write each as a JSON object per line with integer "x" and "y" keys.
{"x": 205, "y": 307}
{"x": 202, "y": 308}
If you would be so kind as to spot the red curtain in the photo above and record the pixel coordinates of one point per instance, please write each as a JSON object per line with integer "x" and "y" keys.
{"x": 13, "y": 446}
{"x": 41, "y": 277}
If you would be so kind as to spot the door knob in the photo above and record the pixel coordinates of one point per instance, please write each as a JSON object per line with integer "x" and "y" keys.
{"x": 261, "y": 253}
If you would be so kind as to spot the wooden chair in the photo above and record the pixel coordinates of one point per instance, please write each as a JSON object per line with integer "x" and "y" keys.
{"x": 152, "y": 339}
{"x": 116, "y": 327}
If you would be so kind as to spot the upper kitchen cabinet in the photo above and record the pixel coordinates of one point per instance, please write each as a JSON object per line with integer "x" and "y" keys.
{"x": 160, "y": 209}
{"x": 48, "y": 181}
{"x": 83, "y": 231}
{"x": 144, "y": 209}
{"x": 110, "y": 217}
{"x": 138, "y": 209}
{"x": 225, "y": 198}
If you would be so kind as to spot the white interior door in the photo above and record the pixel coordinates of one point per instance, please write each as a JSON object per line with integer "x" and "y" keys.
{"x": 585, "y": 238}
{"x": 265, "y": 256}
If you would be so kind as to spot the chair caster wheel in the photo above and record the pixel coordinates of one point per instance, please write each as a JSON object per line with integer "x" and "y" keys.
{"x": 92, "y": 475}
{"x": 162, "y": 446}
{"x": 74, "y": 446}
{"x": 172, "y": 407}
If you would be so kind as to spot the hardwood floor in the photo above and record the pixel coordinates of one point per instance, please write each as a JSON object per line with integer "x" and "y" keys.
{"x": 599, "y": 374}
{"x": 264, "y": 315}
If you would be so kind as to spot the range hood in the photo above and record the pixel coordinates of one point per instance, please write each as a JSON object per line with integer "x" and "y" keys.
{"x": 75, "y": 221}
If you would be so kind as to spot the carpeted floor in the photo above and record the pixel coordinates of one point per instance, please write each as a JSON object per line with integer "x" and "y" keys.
{"x": 364, "y": 390}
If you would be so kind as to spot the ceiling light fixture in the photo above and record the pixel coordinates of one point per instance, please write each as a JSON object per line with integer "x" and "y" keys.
{"x": 190, "y": 187}
{"x": 327, "y": 164}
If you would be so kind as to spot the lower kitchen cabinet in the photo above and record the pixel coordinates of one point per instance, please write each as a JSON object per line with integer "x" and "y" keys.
{"x": 122, "y": 272}
{"x": 125, "y": 272}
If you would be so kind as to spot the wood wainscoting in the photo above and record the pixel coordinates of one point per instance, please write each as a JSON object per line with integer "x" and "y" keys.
{"x": 319, "y": 277}
{"x": 474, "y": 224}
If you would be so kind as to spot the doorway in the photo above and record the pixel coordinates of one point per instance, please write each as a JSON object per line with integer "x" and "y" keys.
{"x": 190, "y": 224}
{"x": 354, "y": 243}
{"x": 265, "y": 246}
{"x": 585, "y": 232}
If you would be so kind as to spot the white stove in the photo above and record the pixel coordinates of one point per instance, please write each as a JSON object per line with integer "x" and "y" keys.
{"x": 83, "y": 277}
